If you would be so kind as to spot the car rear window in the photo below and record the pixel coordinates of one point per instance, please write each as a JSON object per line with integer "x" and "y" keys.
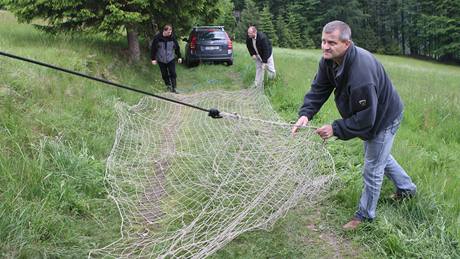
{"x": 211, "y": 35}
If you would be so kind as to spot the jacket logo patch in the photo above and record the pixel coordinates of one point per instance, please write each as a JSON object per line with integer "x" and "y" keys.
{"x": 362, "y": 102}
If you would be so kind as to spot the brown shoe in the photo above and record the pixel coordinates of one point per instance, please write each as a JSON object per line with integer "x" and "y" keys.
{"x": 353, "y": 224}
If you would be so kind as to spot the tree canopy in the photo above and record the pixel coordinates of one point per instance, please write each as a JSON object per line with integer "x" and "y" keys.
{"x": 137, "y": 17}
{"x": 410, "y": 27}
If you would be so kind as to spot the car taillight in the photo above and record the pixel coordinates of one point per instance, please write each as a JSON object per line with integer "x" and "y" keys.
{"x": 229, "y": 44}
{"x": 193, "y": 44}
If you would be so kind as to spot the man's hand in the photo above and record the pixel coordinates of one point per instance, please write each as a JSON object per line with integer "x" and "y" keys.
{"x": 179, "y": 60}
{"x": 325, "y": 131}
{"x": 264, "y": 66}
{"x": 154, "y": 62}
{"x": 254, "y": 57}
{"x": 301, "y": 122}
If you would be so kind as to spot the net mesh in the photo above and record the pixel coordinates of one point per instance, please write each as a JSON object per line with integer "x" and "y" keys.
{"x": 186, "y": 184}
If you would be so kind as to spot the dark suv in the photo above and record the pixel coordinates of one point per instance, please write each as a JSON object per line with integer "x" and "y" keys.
{"x": 208, "y": 43}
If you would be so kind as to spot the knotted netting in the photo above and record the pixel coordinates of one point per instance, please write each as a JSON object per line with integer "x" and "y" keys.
{"x": 186, "y": 184}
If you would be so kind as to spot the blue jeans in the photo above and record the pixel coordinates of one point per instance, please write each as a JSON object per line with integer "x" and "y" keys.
{"x": 378, "y": 162}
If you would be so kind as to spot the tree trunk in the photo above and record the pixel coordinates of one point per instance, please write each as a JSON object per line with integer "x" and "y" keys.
{"x": 133, "y": 44}
{"x": 403, "y": 31}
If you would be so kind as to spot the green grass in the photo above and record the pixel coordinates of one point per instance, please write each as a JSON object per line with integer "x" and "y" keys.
{"x": 56, "y": 131}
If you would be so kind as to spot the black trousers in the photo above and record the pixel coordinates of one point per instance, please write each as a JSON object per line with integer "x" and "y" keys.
{"x": 168, "y": 72}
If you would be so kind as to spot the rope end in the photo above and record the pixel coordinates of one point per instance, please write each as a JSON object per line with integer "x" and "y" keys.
{"x": 214, "y": 113}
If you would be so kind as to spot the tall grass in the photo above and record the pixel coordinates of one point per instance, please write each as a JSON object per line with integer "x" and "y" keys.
{"x": 56, "y": 131}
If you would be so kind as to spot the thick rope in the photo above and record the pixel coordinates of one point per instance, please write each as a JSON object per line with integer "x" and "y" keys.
{"x": 213, "y": 112}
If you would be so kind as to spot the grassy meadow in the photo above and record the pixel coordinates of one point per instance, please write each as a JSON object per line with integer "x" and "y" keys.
{"x": 57, "y": 130}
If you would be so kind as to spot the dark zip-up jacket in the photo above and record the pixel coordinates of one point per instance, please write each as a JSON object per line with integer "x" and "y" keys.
{"x": 263, "y": 45}
{"x": 164, "y": 48}
{"x": 364, "y": 95}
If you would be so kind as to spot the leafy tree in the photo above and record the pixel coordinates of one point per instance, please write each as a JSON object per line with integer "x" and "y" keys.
{"x": 213, "y": 11}
{"x": 226, "y": 18}
{"x": 136, "y": 17}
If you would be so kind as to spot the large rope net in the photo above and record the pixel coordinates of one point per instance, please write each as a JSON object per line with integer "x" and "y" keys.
{"x": 186, "y": 184}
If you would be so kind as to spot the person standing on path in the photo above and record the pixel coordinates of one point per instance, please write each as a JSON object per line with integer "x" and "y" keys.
{"x": 163, "y": 52}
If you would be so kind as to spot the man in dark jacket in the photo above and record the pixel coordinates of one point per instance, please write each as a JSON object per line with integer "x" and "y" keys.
{"x": 370, "y": 107}
{"x": 260, "y": 49}
{"x": 162, "y": 50}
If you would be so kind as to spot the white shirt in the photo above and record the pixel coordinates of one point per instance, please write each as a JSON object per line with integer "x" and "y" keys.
{"x": 254, "y": 44}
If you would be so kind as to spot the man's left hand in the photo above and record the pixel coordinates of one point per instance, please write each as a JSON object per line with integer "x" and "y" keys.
{"x": 325, "y": 131}
{"x": 179, "y": 60}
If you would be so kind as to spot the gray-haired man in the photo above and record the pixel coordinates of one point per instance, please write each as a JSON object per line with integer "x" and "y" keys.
{"x": 371, "y": 110}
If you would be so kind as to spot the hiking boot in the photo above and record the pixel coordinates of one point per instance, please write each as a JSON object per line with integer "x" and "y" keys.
{"x": 173, "y": 85}
{"x": 352, "y": 224}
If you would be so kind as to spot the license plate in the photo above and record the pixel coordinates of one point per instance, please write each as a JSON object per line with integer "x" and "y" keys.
{"x": 211, "y": 48}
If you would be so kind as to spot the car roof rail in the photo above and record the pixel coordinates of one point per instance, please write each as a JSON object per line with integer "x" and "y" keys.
{"x": 209, "y": 27}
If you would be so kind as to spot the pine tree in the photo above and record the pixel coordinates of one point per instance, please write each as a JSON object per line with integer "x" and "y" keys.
{"x": 266, "y": 25}
{"x": 310, "y": 20}
{"x": 226, "y": 18}
{"x": 111, "y": 17}
{"x": 295, "y": 41}
{"x": 307, "y": 40}
{"x": 282, "y": 31}
{"x": 249, "y": 16}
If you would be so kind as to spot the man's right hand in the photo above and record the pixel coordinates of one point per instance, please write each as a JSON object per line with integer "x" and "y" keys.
{"x": 254, "y": 57}
{"x": 301, "y": 122}
{"x": 154, "y": 62}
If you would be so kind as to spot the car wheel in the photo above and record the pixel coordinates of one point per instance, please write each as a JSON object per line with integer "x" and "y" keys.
{"x": 229, "y": 62}
{"x": 188, "y": 63}
{"x": 194, "y": 63}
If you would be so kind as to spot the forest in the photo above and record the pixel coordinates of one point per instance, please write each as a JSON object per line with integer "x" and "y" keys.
{"x": 418, "y": 28}
{"x": 58, "y": 131}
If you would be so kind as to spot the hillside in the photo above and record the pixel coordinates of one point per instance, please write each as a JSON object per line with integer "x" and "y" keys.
{"x": 57, "y": 130}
